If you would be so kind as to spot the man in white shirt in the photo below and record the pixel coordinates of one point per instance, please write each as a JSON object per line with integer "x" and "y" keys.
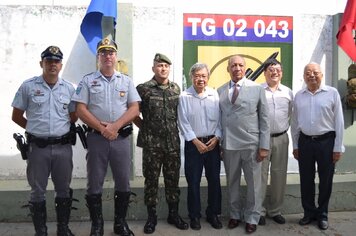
{"x": 317, "y": 131}
{"x": 199, "y": 123}
{"x": 280, "y": 99}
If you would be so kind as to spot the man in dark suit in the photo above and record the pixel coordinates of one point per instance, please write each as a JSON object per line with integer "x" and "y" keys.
{"x": 245, "y": 141}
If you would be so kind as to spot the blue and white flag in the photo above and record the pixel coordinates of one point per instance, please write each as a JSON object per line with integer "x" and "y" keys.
{"x": 91, "y": 27}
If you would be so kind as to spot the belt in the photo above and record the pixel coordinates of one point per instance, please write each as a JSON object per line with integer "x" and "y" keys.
{"x": 123, "y": 132}
{"x": 318, "y": 137}
{"x": 205, "y": 139}
{"x": 44, "y": 142}
{"x": 278, "y": 134}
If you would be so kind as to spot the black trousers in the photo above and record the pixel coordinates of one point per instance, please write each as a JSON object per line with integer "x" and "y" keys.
{"x": 193, "y": 166}
{"x": 319, "y": 151}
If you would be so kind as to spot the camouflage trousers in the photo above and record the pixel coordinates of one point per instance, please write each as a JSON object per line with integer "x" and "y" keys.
{"x": 153, "y": 160}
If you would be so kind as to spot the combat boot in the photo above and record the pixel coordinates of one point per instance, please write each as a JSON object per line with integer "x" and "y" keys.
{"x": 174, "y": 218}
{"x": 151, "y": 222}
{"x": 94, "y": 205}
{"x": 39, "y": 217}
{"x": 63, "y": 208}
{"x": 122, "y": 200}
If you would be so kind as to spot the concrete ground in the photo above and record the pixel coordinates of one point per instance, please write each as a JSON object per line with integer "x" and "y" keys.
{"x": 340, "y": 224}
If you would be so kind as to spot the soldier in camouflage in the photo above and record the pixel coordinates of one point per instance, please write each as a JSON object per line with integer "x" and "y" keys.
{"x": 159, "y": 138}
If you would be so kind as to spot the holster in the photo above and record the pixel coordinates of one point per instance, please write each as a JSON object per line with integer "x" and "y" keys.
{"x": 126, "y": 130}
{"x": 22, "y": 145}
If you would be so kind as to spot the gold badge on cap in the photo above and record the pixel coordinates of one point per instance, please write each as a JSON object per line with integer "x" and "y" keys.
{"x": 54, "y": 50}
{"x": 122, "y": 93}
{"x": 106, "y": 41}
{"x": 157, "y": 57}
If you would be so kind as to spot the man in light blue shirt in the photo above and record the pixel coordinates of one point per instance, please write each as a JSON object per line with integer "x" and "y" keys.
{"x": 199, "y": 123}
{"x": 46, "y": 100}
{"x": 317, "y": 131}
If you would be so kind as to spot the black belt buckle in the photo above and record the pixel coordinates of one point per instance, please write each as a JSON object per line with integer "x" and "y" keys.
{"x": 205, "y": 139}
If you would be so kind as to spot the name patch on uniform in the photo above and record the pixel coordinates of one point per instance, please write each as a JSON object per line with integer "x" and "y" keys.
{"x": 95, "y": 84}
{"x": 38, "y": 93}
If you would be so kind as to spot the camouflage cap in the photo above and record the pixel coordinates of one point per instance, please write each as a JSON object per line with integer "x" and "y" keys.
{"x": 159, "y": 57}
{"x": 107, "y": 44}
{"x": 52, "y": 52}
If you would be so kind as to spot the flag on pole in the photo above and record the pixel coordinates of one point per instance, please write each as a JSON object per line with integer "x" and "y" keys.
{"x": 345, "y": 36}
{"x": 91, "y": 27}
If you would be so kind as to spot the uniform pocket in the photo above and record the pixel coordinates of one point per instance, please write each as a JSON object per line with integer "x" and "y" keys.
{"x": 97, "y": 94}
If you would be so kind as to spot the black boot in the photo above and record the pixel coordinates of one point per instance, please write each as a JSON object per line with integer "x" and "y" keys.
{"x": 121, "y": 204}
{"x": 174, "y": 218}
{"x": 63, "y": 208}
{"x": 96, "y": 214}
{"x": 151, "y": 222}
{"x": 39, "y": 217}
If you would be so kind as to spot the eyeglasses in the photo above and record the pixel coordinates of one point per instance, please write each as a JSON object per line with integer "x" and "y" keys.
{"x": 310, "y": 73}
{"x": 107, "y": 53}
{"x": 272, "y": 70}
{"x": 198, "y": 76}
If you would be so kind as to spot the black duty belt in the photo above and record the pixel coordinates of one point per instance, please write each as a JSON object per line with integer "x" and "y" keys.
{"x": 44, "y": 142}
{"x": 123, "y": 132}
{"x": 205, "y": 139}
{"x": 318, "y": 137}
{"x": 278, "y": 134}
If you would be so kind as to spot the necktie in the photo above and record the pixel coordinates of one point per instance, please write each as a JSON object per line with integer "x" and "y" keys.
{"x": 235, "y": 94}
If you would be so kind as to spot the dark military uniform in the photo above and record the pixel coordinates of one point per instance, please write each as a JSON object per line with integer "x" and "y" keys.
{"x": 159, "y": 138}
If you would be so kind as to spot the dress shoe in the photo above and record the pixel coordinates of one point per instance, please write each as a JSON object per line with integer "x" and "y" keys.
{"x": 323, "y": 224}
{"x": 262, "y": 220}
{"x": 306, "y": 220}
{"x": 195, "y": 224}
{"x": 233, "y": 223}
{"x": 279, "y": 219}
{"x": 214, "y": 221}
{"x": 250, "y": 228}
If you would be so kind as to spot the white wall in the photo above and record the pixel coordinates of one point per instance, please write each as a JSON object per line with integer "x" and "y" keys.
{"x": 27, "y": 27}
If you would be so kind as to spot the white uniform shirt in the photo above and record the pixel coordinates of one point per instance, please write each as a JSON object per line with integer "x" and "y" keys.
{"x": 317, "y": 114}
{"x": 199, "y": 116}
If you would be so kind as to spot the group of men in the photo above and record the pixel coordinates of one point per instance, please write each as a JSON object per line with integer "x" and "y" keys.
{"x": 242, "y": 123}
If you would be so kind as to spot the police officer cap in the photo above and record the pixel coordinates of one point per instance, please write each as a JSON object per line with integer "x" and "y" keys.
{"x": 52, "y": 52}
{"x": 159, "y": 57}
{"x": 106, "y": 44}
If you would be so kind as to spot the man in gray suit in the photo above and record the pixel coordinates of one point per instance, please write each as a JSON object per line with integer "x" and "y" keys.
{"x": 245, "y": 141}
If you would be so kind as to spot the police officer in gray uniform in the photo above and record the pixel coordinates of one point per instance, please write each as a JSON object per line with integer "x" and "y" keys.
{"x": 46, "y": 99}
{"x": 107, "y": 101}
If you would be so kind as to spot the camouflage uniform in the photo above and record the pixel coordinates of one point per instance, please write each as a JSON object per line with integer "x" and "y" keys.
{"x": 159, "y": 138}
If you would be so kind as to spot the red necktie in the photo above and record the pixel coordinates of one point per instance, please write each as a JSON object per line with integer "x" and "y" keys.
{"x": 235, "y": 94}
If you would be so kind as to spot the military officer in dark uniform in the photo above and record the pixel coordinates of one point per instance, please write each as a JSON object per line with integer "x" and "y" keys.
{"x": 107, "y": 100}
{"x": 46, "y": 100}
{"x": 159, "y": 138}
